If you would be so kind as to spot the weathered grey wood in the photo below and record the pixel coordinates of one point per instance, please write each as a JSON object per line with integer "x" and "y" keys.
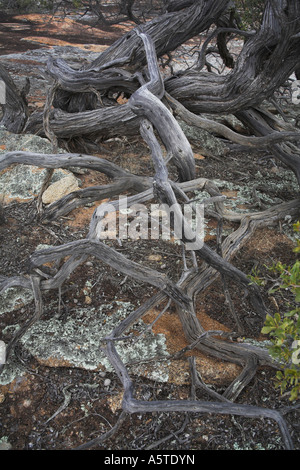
{"x": 145, "y": 102}
{"x": 167, "y": 33}
{"x": 114, "y": 259}
{"x": 266, "y": 61}
{"x": 216, "y": 127}
{"x": 63, "y": 160}
{"x": 86, "y": 81}
{"x": 35, "y": 287}
{"x": 258, "y": 122}
{"x": 109, "y": 122}
{"x": 83, "y": 197}
{"x": 132, "y": 405}
{"x": 258, "y": 66}
{"x": 15, "y": 111}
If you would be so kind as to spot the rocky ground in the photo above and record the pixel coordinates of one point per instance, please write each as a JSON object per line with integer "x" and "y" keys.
{"x": 58, "y": 391}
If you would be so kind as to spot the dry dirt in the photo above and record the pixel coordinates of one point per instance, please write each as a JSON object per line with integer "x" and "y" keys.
{"x": 27, "y": 403}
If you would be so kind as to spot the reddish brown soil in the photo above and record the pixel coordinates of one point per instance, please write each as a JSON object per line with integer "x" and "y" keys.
{"x": 28, "y": 402}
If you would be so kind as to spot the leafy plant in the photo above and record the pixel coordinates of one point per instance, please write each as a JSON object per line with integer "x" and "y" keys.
{"x": 250, "y": 12}
{"x": 256, "y": 278}
{"x": 284, "y": 330}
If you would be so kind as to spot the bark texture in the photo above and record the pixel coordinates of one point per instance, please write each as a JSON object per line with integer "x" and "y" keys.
{"x": 81, "y": 104}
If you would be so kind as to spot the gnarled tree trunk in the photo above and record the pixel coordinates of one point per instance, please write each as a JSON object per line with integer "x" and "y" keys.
{"x": 82, "y": 106}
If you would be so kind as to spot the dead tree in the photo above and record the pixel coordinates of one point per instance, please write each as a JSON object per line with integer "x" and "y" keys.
{"x": 130, "y": 66}
{"x": 15, "y": 112}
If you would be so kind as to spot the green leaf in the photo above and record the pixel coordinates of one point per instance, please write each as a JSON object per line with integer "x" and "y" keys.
{"x": 266, "y": 329}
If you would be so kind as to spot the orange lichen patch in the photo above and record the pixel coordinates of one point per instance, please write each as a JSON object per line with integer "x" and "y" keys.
{"x": 93, "y": 178}
{"x": 60, "y": 362}
{"x": 64, "y": 25}
{"x": 27, "y": 62}
{"x": 92, "y": 47}
{"x": 170, "y": 325}
{"x": 15, "y": 27}
{"x": 122, "y": 100}
{"x": 59, "y": 42}
{"x": 229, "y": 193}
{"x": 212, "y": 370}
{"x": 125, "y": 26}
{"x": 198, "y": 156}
{"x": 81, "y": 216}
{"x": 54, "y": 362}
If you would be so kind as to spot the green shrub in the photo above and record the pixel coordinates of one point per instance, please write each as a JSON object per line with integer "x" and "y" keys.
{"x": 284, "y": 329}
{"x": 250, "y": 12}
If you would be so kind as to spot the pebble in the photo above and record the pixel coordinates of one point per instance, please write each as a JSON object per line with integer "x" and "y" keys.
{"x": 5, "y": 446}
{"x": 154, "y": 257}
{"x": 107, "y": 382}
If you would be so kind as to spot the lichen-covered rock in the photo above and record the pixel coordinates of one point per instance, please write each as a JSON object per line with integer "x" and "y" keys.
{"x": 14, "y": 298}
{"x": 23, "y": 182}
{"x": 79, "y": 341}
{"x": 10, "y": 142}
{"x": 60, "y": 188}
{"x": 210, "y": 145}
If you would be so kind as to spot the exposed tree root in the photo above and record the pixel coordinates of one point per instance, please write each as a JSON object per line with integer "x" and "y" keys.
{"x": 147, "y": 112}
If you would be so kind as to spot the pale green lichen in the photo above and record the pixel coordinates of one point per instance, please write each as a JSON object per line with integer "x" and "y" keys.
{"x": 11, "y": 371}
{"x": 243, "y": 201}
{"x": 245, "y": 191}
{"x": 210, "y": 144}
{"x": 79, "y": 340}
{"x": 14, "y": 298}
{"x": 25, "y": 181}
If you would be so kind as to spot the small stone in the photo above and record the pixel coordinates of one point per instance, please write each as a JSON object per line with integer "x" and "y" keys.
{"x": 154, "y": 257}
{"x": 60, "y": 188}
{"x": 23, "y": 182}
{"x": 27, "y": 403}
{"x": 5, "y": 445}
